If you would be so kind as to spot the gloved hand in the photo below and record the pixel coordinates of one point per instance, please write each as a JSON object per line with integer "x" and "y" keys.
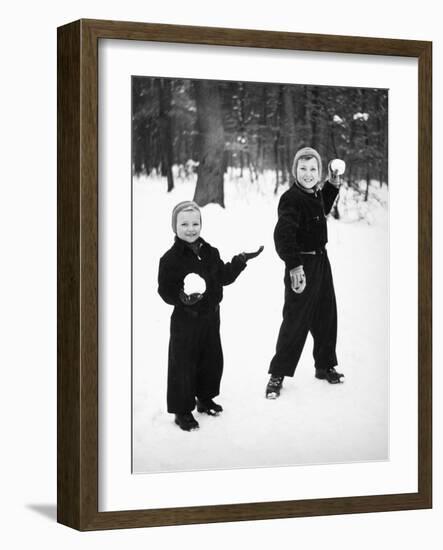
{"x": 245, "y": 256}
{"x": 191, "y": 299}
{"x": 336, "y": 168}
{"x": 298, "y": 279}
{"x": 194, "y": 284}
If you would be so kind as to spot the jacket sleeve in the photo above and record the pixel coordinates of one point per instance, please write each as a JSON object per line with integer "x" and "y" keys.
{"x": 169, "y": 285}
{"x": 231, "y": 270}
{"x": 285, "y": 233}
{"x": 329, "y": 193}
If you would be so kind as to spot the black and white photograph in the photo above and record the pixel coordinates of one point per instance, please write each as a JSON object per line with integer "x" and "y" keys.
{"x": 154, "y": 404}
{"x": 260, "y": 274}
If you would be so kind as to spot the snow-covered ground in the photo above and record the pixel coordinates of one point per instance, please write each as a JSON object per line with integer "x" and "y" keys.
{"x": 313, "y": 422}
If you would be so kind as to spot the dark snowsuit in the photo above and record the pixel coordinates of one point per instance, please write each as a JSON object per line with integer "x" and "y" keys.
{"x": 195, "y": 362}
{"x": 300, "y": 237}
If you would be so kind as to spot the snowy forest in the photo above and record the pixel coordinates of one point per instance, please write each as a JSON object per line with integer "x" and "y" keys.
{"x": 229, "y": 146}
{"x": 209, "y": 128}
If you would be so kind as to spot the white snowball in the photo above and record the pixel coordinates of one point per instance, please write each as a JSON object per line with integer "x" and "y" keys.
{"x": 339, "y": 166}
{"x": 193, "y": 283}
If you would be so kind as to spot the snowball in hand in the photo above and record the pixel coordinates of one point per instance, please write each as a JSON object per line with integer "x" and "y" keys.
{"x": 338, "y": 166}
{"x": 193, "y": 283}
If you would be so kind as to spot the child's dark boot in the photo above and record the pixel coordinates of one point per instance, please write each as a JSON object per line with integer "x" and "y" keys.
{"x": 209, "y": 407}
{"x": 331, "y": 375}
{"x": 186, "y": 422}
{"x": 274, "y": 386}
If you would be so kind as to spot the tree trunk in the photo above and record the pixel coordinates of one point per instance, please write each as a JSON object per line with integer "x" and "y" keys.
{"x": 315, "y": 118}
{"x": 277, "y": 137}
{"x": 333, "y": 141}
{"x": 368, "y": 181}
{"x": 289, "y": 124}
{"x": 365, "y": 109}
{"x": 209, "y": 187}
{"x": 334, "y": 212}
{"x": 164, "y": 119}
{"x": 261, "y": 141}
{"x": 303, "y": 117}
{"x": 351, "y": 151}
{"x": 277, "y": 179}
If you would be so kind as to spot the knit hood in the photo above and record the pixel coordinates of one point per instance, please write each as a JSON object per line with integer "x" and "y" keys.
{"x": 306, "y": 152}
{"x": 184, "y": 205}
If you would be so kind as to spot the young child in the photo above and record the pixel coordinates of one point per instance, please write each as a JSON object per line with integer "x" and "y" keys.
{"x": 300, "y": 238}
{"x": 191, "y": 278}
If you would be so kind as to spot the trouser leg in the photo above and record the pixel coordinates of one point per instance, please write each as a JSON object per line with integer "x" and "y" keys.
{"x": 324, "y": 321}
{"x": 182, "y": 361}
{"x": 210, "y": 362}
{"x": 297, "y": 314}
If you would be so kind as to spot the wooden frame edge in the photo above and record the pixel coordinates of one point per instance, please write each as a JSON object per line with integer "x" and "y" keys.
{"x": 68, "y": 274}
{"x": 425, "y": 272}
{"x": 77, "y": 317}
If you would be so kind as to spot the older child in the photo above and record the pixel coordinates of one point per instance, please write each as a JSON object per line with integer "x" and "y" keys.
{"x": 191, "y": 278}
{"x": 300, "y": 238}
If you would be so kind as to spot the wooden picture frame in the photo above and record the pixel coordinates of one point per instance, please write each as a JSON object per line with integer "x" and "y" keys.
{"x": 77, "y": 452}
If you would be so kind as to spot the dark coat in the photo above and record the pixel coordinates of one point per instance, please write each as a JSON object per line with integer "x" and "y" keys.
{"x": 195, "y": 358}
{"x": 301, "y": 222}
{"x": 180, "y": 260}
{"x": 302, "y": 227}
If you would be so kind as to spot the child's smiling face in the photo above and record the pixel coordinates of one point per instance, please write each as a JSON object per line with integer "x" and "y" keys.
{"x": 188, "y": 225}
{"x": 307, "y": 172}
